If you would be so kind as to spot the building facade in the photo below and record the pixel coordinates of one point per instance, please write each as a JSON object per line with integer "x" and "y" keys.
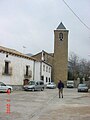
{"x": 59, "y": 58}
{"x": 17, "y": 69}
{"x": 42, "y": 71}
{"x": 46, "y": 72}
{"x": 60, "y": 62}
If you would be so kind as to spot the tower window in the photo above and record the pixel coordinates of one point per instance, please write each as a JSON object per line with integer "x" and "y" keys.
{"x": 61, "y": 36}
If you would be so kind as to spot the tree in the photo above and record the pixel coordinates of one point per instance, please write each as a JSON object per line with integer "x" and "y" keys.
{"x": 73, "y": 66}
{"x": 78, "y": 68}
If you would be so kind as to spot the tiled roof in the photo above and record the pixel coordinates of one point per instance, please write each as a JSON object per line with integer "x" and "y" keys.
{"x": 51, "y": 54}
{"x": 14, "y": 52}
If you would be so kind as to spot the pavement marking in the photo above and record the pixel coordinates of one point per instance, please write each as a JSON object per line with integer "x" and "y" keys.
{"x": 37, "y": 113}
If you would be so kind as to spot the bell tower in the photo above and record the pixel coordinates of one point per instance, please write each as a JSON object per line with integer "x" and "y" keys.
{"x": 60, "y": 62}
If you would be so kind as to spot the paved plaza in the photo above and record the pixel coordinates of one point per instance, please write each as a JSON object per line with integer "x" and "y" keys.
{"x": 45, "y": 105}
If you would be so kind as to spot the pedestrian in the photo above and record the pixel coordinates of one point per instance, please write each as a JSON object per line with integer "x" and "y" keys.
{"x": 60, "y": 88}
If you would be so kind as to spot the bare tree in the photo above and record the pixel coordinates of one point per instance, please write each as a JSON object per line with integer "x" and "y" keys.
{"x": 78, "y": 67}
{"x": 74, "y": 65}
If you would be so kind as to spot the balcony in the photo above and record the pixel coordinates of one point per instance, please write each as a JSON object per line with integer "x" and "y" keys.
{"x": 7, "y": 72}
{"x": 28, "y": 75}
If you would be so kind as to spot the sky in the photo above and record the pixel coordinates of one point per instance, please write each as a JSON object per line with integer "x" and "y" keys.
{"x": 31, "y": 23}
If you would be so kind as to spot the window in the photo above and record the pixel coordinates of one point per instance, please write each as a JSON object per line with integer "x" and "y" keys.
{"x": 37, "y": 83}
{"x": 2, "y": 84}
{"x": 49, "y": 79}
{"x": 6, "y": 67}
{"x": 6, "y": 55}
{"x": 27, "y": 68}
{"x": 43, "y": 67}
{"x": 61, "y": 36}
{"x": 49, "y": 69}
{"x": 28, "y": 72}
{"x": 32, "y": 83}
{"x": 41, "y": 83}
{"x": 46, "y": 79}
{"x": 46, "y": 68}
{"x": 42, "y": 77}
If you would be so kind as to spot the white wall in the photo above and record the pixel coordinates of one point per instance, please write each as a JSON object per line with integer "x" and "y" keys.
{"x": 18, "y": 65}
{"x": 37, "y": 71}
{"x": 46, "y": 73}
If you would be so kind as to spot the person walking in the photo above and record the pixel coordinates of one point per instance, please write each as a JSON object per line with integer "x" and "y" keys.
{"x": 60, "y": 88}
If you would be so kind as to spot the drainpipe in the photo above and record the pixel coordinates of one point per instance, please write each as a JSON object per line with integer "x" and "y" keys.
{"x": 34, "y": 70}
{"x": 40, "y": 70}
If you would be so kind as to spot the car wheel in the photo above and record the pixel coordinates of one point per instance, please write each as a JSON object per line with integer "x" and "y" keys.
{"x": 33, "y": 89}
{"x": 78, "y": 90}
{"x": 42, "y": 89}
{"x": 87, "y": 91}
{"x": 9, "y": 90}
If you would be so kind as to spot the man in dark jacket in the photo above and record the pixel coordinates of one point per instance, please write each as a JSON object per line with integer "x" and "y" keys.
{"x": 60, "y": 88}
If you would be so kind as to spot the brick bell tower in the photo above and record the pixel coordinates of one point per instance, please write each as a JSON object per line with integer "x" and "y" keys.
{"x": 60, "y": 63}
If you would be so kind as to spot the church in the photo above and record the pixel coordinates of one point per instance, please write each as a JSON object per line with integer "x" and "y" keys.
{"x": 59, "y": 58}
{"x": 17, "y": 69}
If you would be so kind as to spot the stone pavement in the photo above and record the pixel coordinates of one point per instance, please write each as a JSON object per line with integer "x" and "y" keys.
{"x": 45, "y": 105}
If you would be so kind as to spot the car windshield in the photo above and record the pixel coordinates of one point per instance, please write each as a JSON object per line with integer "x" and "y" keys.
{"x": 50, "y": 83}
{"x": 2, "y": 84}
{"x": 69, "y": 83}
{"x": 82, "y": 85}
{"x": 31, "y": 83}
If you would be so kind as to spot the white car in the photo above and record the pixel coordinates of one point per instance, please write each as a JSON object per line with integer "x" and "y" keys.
{"x": 70, "y": 84}
{"x": 82, "y": 88}
{"x": 34, "y": 85}
{"x": 51, "y": 85}
{"x": 4, "y": 87}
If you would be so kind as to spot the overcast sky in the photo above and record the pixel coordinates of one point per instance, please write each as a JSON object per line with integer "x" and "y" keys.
{"x": 31, "y": 23}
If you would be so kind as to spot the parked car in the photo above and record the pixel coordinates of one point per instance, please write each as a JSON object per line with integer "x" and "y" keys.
{"x": 82, "y": 88}
{"x": 70, "y": 84}
{"x": 34, "y": 85}
{"x": 51, "y": 85}
{"x": 4, "y": 87}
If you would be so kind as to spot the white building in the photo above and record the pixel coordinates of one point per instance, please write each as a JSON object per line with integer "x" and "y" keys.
{"x": 45, "y": 72}
{"x": 17, "y": 69}
{"x": 42, "y": 71}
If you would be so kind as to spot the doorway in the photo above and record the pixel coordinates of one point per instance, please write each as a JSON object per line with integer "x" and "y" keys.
{"x": 25, "y": 82}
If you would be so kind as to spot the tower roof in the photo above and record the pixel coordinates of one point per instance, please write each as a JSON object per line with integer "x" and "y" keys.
{"x": 61, "y": 26}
